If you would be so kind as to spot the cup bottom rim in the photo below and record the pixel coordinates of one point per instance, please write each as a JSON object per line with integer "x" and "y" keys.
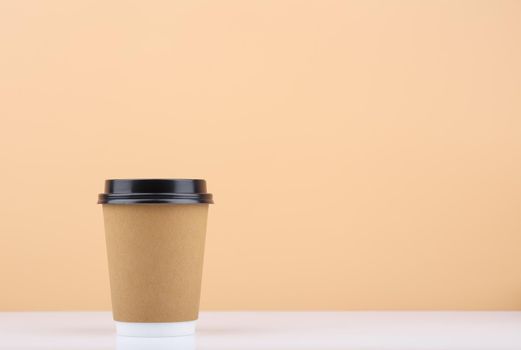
{"x": 155, "y": 329}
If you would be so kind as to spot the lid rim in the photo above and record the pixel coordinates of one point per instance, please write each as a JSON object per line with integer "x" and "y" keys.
{"x": 155, "y": 191}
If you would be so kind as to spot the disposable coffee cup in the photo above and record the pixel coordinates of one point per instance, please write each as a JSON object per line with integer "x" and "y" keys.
{"x": 155, "y": 233}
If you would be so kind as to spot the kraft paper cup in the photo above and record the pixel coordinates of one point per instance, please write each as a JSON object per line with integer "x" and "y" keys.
{"x": 155, "y": 233}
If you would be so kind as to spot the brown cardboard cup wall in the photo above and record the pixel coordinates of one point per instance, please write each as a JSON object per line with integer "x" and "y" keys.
{"x": 155, "y": 254}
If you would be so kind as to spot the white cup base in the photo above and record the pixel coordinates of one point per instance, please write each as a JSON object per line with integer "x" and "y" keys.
{"x": 153, "y": 329}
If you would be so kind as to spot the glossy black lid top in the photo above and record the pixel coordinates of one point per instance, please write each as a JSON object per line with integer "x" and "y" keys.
{"x": 136, "y": 191}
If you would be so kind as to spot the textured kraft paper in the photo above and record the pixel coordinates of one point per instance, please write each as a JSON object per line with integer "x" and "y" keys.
{"x": 155, "y": 255}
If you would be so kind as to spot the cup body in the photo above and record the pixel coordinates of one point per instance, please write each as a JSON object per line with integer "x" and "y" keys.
{"x": 155, "y": 257}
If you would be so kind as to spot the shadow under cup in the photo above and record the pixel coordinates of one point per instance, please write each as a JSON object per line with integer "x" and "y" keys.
{"x": 155, "y": 233}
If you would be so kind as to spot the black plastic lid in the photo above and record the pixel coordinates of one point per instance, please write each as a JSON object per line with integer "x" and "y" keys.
{"x": 143, "y": 191}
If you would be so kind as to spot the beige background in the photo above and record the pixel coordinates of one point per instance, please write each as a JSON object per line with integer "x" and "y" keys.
{"x": 363, "y": 154}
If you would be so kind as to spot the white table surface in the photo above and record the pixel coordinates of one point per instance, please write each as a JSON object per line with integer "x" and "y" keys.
{"x": 273, "y": 330}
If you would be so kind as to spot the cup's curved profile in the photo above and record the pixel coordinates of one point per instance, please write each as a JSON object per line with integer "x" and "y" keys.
{"x": 155, "y": 247}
